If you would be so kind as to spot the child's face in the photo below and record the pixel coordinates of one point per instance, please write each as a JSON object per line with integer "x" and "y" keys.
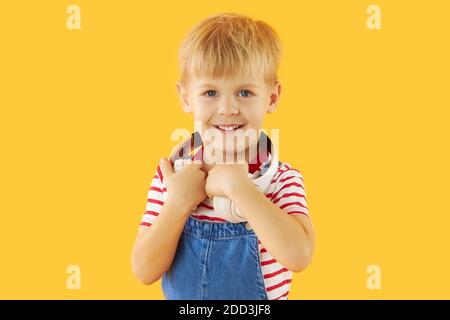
{"x": 229, "y": 104}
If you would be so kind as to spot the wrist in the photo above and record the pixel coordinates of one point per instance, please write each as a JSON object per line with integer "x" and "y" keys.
{"x": 238, "y": 186}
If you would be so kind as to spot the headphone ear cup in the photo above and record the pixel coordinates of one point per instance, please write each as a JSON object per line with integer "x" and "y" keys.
{"x": 178, "y": 165}
{"x": 224, "y": 209}
{"x": 235, "y": 214}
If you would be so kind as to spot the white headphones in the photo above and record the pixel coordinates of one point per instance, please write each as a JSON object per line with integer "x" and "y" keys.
{"x": 223, "y": 207}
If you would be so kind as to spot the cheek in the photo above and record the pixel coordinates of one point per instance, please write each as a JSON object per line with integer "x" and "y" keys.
{"x": 203, "y": 111}
{"x": 254, "y": 116}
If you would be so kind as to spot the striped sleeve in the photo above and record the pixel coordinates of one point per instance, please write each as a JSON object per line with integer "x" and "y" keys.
{"x": 289, "y": 193}
{"x": 155, "y": 199}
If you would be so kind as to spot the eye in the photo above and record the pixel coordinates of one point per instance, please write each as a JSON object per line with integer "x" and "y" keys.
{"x": 211, "y": 93}
{"x": 245, "y": 93}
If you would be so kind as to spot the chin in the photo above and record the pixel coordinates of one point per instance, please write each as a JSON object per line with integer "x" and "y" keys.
{"x": 213, "y": 131}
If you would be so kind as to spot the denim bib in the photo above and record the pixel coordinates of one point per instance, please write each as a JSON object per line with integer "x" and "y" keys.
{"x": 215, "y": 261}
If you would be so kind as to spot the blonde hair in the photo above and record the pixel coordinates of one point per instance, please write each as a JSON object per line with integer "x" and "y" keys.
{"x": 230, "y": 44}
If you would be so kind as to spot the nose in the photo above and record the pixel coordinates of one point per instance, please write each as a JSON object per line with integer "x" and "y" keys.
{"x": 228, "y": 107}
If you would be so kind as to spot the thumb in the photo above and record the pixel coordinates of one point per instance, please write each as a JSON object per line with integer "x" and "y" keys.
{"x": 197, "y": 163}
{"x": 166, "y": 167}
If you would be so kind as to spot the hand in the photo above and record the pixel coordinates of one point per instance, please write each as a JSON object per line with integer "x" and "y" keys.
{"x": 186, "y": 188}
{"x": 223, "y": 178}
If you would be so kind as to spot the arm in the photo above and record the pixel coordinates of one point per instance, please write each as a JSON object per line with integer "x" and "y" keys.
{"x": 290, "y": 239}
{"x": 157, "y": 239}
{"x": 155, "y": 247}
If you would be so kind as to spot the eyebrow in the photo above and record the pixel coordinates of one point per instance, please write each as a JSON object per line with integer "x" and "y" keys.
{"x": 246, "y": 85}
{"x": 205, "y": 85}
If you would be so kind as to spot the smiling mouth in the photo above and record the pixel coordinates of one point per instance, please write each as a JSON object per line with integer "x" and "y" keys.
{"x": 228, "y": 128}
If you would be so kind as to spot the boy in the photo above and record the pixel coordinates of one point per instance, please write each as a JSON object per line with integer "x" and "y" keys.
{"x": 228, "y": 81}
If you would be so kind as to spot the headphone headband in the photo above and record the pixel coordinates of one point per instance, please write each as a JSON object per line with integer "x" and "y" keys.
{"x": 188, "y": 147}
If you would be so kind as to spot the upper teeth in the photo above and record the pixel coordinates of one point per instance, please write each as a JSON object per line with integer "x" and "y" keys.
{"x": 228, "y": 128}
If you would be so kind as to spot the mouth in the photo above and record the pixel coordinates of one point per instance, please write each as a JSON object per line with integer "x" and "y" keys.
{"x": 228, "y": 128}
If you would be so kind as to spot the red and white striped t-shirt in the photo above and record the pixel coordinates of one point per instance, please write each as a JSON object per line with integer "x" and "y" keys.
{"x": 286, "y": 190}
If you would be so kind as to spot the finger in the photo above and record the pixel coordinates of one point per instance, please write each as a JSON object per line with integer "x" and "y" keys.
{"x": 166, "y": 167}
{"x": 207, "y": 189}
{"x": 197, "y": 163}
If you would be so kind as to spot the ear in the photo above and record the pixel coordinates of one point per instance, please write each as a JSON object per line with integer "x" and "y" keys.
{"x": 184, "y": 97}
{"x": 274, "y": 97}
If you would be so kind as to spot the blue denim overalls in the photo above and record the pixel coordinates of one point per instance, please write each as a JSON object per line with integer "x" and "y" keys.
{"x": 215, "y": 261}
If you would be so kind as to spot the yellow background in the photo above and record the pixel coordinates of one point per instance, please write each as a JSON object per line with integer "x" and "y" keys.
{"x": 86, "y": 114}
